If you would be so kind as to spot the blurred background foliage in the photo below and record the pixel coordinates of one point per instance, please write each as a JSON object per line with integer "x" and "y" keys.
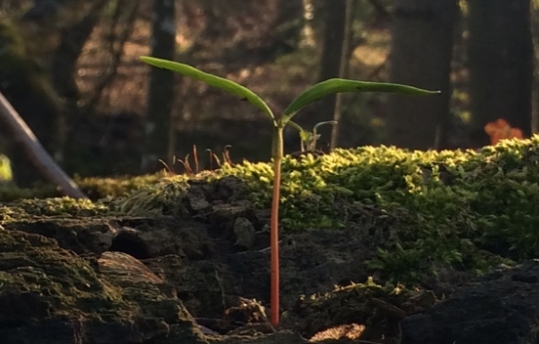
{"x": 71, "y": 69}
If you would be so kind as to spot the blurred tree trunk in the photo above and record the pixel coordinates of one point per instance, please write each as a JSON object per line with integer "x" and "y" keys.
{"x": 27, "y": 87}
{"x": 307, "y": 32}
{"x": 55, "y": 32}
{"x": 330, "y": 64}
{"x": 224, "y": 22}
{"x": 161, "y": 88}
{"x": 534, "y": 18}
{"x": 43, "y": 23}
{"x": 122, "y": 23}
{"x": 343, "y": 71}
{"x": 72, "y": 41}
{"x": 500, "y": 58}
{"x": 48, "y": 10}
{"x": 63, "y": 71}
{"x": 421, "y": 52}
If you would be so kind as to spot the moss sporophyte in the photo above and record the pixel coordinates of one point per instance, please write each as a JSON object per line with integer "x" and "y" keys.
{"x": 314, "y": 93}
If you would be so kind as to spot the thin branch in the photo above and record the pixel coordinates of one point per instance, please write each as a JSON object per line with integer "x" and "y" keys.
{"x": 116, "y": 54}
{"x": 34, "y": 150}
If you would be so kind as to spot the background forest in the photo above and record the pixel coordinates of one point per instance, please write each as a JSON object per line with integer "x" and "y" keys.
{"x": 71, "y": 69}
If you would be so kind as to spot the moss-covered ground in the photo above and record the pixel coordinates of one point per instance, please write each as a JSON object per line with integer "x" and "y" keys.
{"x": 468, "y": 210}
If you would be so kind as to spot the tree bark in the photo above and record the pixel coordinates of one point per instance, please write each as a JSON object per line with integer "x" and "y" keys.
{"x": 225, "y": 23}
{"x": 421, "y": 52}
{"x": 116, "y": 49}
{"x": 161, "y": 88}
{"x": 28, "y": 89}
{"x": 72, "y": 41}
{"x": 63, "y": 72}
{"x": 330, "y": 63}
{"x": 500, "y": 58}
{"x": 534, "y": 24}
{"x": 343, "y": 71}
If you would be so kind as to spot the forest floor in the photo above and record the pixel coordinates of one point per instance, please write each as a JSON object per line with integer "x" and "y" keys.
{"x": 375, "y": 242}
{"x": 214, "y": 257}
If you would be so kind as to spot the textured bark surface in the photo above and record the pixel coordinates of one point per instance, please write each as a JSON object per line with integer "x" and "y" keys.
{"x": 159, "y": 126}
{"x": 330, "y": 62}
{"x": 500, "y": 55}
{"x": 421, "y": 49}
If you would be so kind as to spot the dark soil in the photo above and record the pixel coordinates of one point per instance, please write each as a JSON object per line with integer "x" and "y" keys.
{"x": 212, "y": 253}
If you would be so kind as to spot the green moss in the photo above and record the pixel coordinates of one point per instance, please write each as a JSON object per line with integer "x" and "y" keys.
{"x": 54, "y": 273}
{"x": 462, "y": 209}
{"x": 9, "y": 192}
{"x": 44, "y": 200}
{"x": 328, "y": 306}
{"x": 60, "y": 206}
{"x": 153, "y": 199}
{"x": 97, "y": 188}
{"x": 65, "y": 206}
{"x": 465, "y": 209}
{"x": 50, "y": 285}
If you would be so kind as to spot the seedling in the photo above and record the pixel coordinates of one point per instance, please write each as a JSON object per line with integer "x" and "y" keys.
{"x": 278, "y": 123}
{"x": 195, "y": 157}
{"x": 166, "y": 169}
{"x": 210, "y": 152}
{"x": 308, "y": 139}
{"x": 186, "y": 165}
{"x": 226, "y": 155}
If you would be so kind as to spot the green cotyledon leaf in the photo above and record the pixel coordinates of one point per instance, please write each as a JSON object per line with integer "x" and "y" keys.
{"x": 333, "y": 86}
{"x": 212, "y": 80}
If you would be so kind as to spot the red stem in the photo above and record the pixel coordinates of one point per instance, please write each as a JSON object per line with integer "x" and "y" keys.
{"x": 277, "y": 153}
{"x": 275, "y": 242}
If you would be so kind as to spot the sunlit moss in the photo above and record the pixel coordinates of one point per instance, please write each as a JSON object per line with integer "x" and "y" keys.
{"x": 97, "y": 188}
{"x": 465, "y": 209}
{"x": 6, "y": 175}
{"x": 64, "y": 206}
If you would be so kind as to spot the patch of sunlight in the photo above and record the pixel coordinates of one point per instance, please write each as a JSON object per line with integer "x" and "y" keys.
{"x": 370, "y": 56}
{"x": 375, "y": 50}
{"x": 460, "y": 96}
{"x": 377, "y": 122}
{"x": 465, "y": 116}
{"x": 464, "y": 6}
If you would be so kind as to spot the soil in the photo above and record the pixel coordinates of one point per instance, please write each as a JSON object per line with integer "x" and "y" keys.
{"x": 198, "y": 275}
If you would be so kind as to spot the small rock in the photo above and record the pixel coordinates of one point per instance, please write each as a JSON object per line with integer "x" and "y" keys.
{"x": 196, "y": 200}
{"x": 245, "y": 233}
{"x": 501, "y": 307}
{"x": 120, "y": 267}
{"x": 225, "y": 212}
{"x": 49, "y": 295}
{"x": 230, "y": 188}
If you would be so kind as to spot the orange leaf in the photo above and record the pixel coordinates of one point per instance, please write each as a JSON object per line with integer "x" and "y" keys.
{"x": 515, "y": 133}
{"x": 500, "y": 129}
